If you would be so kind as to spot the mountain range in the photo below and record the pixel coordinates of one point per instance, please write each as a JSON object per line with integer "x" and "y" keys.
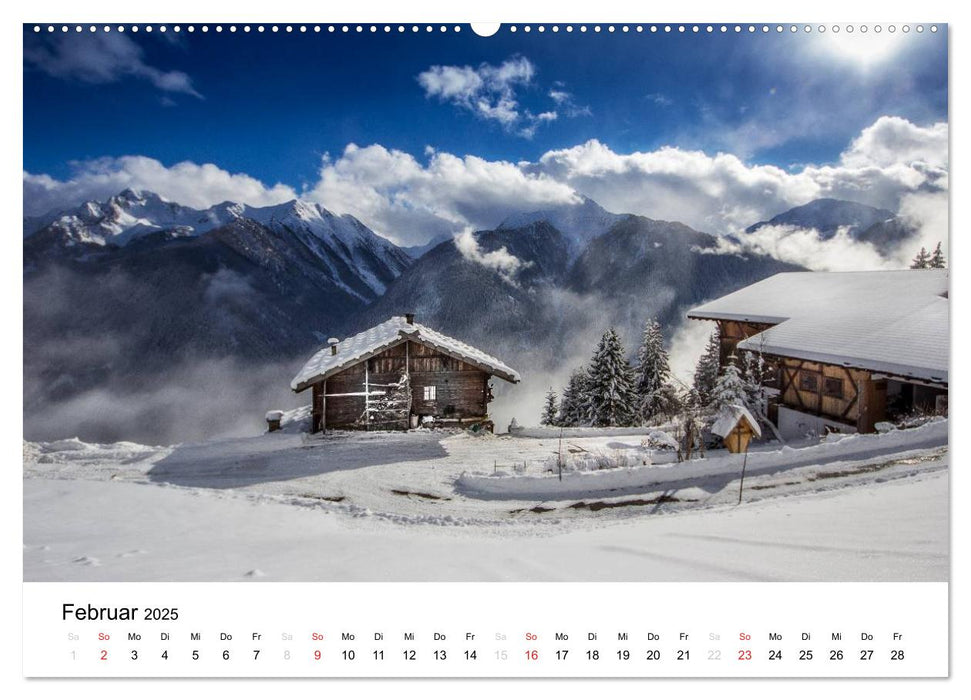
{"x": 358, "y": 260}
{"x": 880, "y": 227}
{"x": 119, "y": 293}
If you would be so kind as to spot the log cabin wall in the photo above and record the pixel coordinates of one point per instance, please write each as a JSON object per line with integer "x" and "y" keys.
{"x": 344, "y": 411}
{"x": 317, "y": 406}
{"x": 461, "y": 389}
{"x": 460, "y": 394}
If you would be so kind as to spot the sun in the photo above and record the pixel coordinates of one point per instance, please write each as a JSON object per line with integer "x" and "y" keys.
{"x": 862, "y": 49}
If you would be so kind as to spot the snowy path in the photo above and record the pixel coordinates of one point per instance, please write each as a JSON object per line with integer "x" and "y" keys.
{"x": 83, "y": 530}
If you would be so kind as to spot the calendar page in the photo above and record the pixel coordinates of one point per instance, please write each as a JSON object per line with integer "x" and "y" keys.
{"x": 512, "y": 350}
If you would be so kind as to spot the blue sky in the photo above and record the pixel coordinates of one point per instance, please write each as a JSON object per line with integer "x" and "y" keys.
{"x": 270, "y": 106}
{"x": 274, "y": 103}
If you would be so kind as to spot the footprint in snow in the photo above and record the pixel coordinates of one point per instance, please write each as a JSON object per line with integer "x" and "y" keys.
{"x": 131, "y": 553}
{"x": 86, "y": 561}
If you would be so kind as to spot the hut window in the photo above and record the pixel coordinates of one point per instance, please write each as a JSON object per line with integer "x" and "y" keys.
{"x": 808, "y": 381}
{"x": 429, "y": 393}
{"x": 833, "y": 386}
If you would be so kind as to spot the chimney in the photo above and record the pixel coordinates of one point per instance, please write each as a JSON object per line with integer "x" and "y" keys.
{"x": 410, "y": 319}
{"x": 333, "y": 345}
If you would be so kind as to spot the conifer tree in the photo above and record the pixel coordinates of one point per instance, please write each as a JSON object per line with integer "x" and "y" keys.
{"x": 706, "y": 371}
{"x": 652, "y": 374}
{"x": 922, "y": 261}
{"x": 549, "y": 409}
{"x": 754, "y": 375}
{"x": 730, "y": 387}
{"x": 610, "y": 396}
{"x": 690, "y": 425}
{"x": 937, "y": 258}
{"x": 572, "y": 405}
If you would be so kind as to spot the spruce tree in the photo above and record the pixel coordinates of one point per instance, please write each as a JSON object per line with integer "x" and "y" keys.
{"x": 922, "y": 261}
{"x": 572, "y": 407}
{"x": 937, "y": 258}
{"x": 754, "y": 375}
{"x": 668, "y": 401}
{"x": 706, "y": 371}
{"x": 610, "y": 396}
{"x": 730, "y": 387}
{"x": 652, "y": 373}
{"x": 549, "y": 409}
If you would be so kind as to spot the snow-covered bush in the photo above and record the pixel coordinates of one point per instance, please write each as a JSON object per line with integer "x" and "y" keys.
{"x": 659, "y": 440}
{"x": 596, "y": 460}
{"x": 917, "y": 418}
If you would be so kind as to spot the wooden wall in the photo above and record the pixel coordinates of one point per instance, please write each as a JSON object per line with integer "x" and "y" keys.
{"x": 845, "y": 395}
{"x": 462, "y": 390}
{"x": 731, "y": 333}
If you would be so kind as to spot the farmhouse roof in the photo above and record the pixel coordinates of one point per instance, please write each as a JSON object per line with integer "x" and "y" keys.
{"x": 893, "y": 322}
{"x": 385, "y": 335}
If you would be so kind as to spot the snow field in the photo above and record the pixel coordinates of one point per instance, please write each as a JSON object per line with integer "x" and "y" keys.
{"x": 430, "y": 505}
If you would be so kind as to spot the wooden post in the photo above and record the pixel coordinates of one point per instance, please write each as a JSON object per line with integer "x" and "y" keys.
{"x": 821, "y": 379}
{"x": 411, "y": 389}
{"x": 741, "y": 482}
{"x": 323, "y": 408}
{"x": 367, "y": 397}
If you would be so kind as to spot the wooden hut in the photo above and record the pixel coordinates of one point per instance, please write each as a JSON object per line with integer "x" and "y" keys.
{"x": 399, "y": 375}
{"x": 846, "y": 350}
{"x": 736, "y": 426}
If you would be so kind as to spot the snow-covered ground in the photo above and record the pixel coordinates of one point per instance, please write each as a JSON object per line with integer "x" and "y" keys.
{"x": 427, "y": 505}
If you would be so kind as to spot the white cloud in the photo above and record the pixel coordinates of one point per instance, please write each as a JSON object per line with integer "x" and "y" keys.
{"x": 928, "y": 212}
{"x": 565, "y": 102}
{"x": 411, "y": 202}
{"x": 721, "y": 193}
{"x": 893, "y": 141}
{"x": 98, "y": 58}
{"x": 660, "y": 99}
{"x": 716, "y": 193}
{"x": 490, "y": 93}
{"x": 687, "y": 346}
{"x": 187, "y": 183}
{"x": 501, "y": 260}
{"x": 925, "y": 212}
{"x": 806, "y": 247}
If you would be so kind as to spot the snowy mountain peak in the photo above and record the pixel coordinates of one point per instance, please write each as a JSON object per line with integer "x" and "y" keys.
{"x": 360, "y": 260}
{"x": 826, "y": 215}
{"x": 133, "y": 196}
{"x": 580, "y": 222}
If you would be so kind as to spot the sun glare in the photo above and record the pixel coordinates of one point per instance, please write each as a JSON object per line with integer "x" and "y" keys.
{"x": 861, "y": 49}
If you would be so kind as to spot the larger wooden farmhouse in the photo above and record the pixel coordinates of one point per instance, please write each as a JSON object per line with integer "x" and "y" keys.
{"x": 397, "y": 375}
{"x": 846, "y": 349}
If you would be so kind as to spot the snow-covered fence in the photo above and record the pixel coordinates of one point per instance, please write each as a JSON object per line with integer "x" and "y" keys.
{"x": 551, "y": 432}
{"x": 579, "y": 484}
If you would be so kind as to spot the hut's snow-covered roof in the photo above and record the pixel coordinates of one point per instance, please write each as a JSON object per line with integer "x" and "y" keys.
{"x": 385, "y": 335}
{"x": 894, "y": 322}
{"x": 729, "y": 417}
